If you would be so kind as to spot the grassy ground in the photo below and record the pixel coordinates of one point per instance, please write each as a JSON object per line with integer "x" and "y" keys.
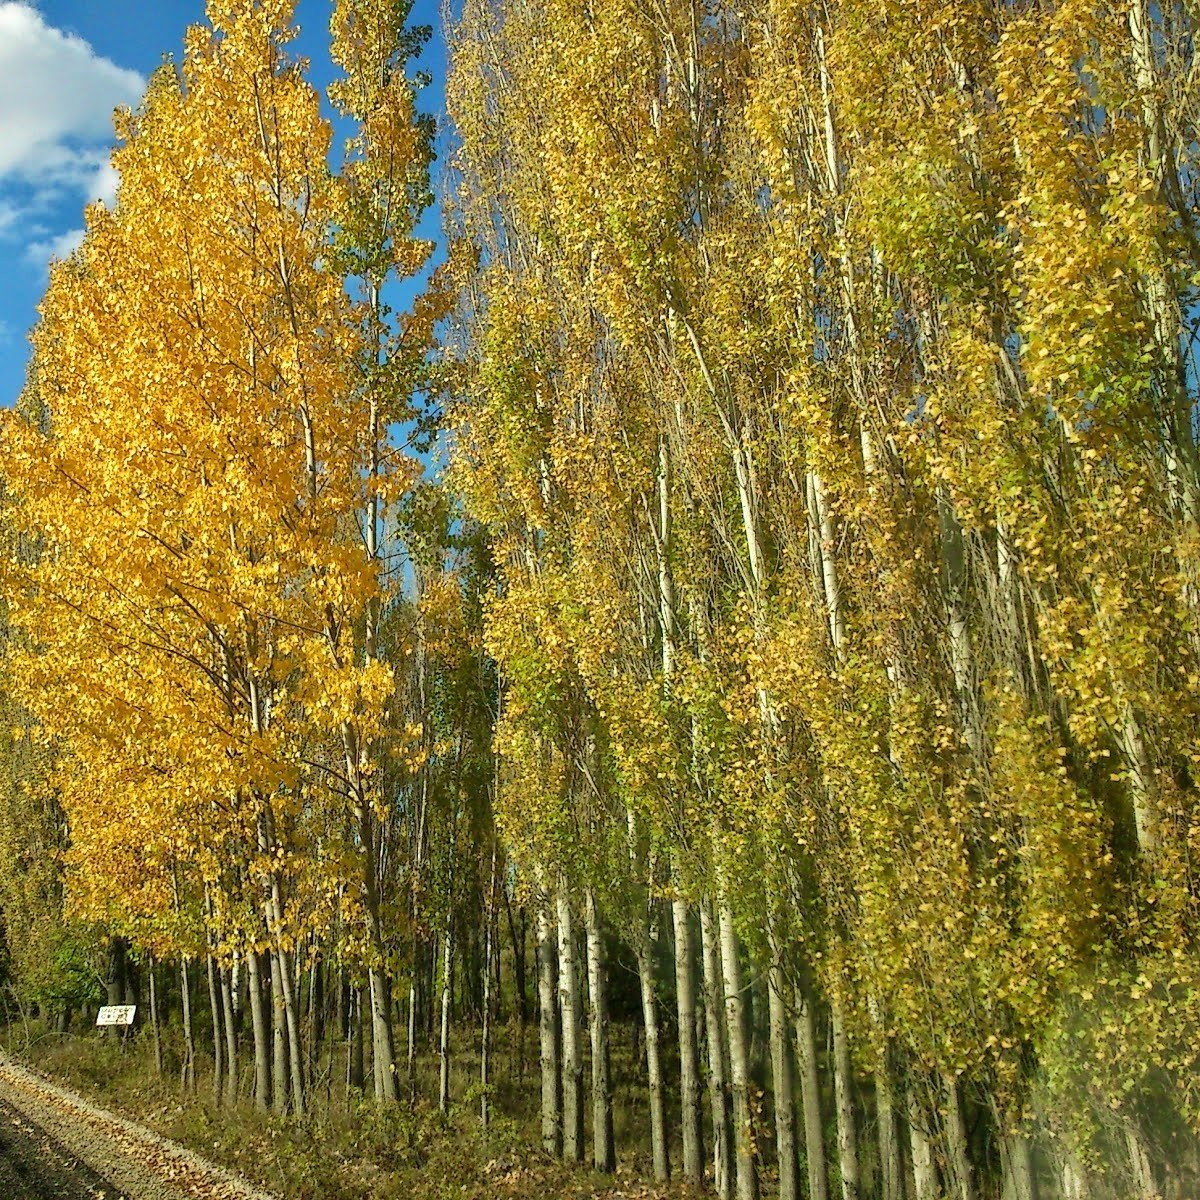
{"x": 349, "y": 1148}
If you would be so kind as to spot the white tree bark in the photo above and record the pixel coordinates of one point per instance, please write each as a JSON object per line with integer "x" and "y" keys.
{"x": 1016, "y": 1160}
{"x": 890, "y": 1162}
{"x": 958, "y": 1157}
{"x": 689, "y": 1065}
{"x": 572, "y": 1031}
{"x": 924, "y": 1173}
{"x": 231, "y": 1033}
{"x": 654, "y": 1077}
{"x": 258, "y": 1022}
{"x": 739, "y": 1058}
{"x": 843, "y": 1080}
{"x": 548, "y": 1023}
{"x": 718, "y": 1085}
{"x": 782, "y": 1072}
{"x": 604, "y": 1154}
{"x": 1141, "y": 1172}
{"x": 444, "y": 1034}
{"x": 214, "y": 1003}
{"x": 188, "y": 1068}
{"x": 279, "y": 1050}
{"x": 158, "y": 1051}
{"x": 490, "y": 938}
{"x": 810, "y": 1091}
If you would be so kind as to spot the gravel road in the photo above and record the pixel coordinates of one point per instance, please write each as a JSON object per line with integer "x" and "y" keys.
{"x": 55, "y": 1145}
{"x": 36, "y": 1166}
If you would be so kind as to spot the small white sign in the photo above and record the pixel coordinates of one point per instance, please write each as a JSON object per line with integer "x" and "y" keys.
{"x": 116, "y": 1014}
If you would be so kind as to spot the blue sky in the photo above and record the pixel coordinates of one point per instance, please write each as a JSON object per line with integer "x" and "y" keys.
{"x": 64, "y": 66}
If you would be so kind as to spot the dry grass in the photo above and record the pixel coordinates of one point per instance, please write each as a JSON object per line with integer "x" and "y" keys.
{"x": 349, "y": 1148}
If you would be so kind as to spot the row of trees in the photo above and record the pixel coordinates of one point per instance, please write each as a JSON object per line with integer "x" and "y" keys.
{"x": 806, "y": 617}
{"x": 827, "y": 391}
{"x": 268, "y": 726}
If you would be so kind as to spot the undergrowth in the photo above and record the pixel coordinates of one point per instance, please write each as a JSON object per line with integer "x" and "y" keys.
{"x": 348, "y": 1148}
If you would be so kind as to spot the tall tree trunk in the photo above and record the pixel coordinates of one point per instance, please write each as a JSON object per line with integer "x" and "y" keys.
{"x": 258, "y": 1023}
{"x": 1141, "y": 1171}
{"x": 235, "y": 995}
{"x": 377, "y": 1083}
{"x": 822, "y": 518}
{"x": 188, "y": 1069}
{"x": 341, "y": 1018}
{"x": 691, "y": 1126}
{"x": 334, "y": 1011}
{"x": 295, "y": 1048}
{"x": 490, "y": 936}
{"x": 444, "y": 1038}
{"x": 413, "y": 1007}
{"x": 158, "y": 1050}
{"x": 1071, "y": 1181}
{"x": 231, "y": 1056}
{"x": 654, "y": 1078}
{"x": 1016, "y": 1161}
{"x": 924, "y": 1173}
{"x": 782, "y": 1075}
{"x": 718, "y": 1079}
{"x": 383, "y": 1054}
{"x": 214, "y": 1003}
{"x": 958, "y": 634}
{"x": 279, "y": 1040}
{"x": 572, "y": 1030}
{"x": 516, "y": 934}
{"x": 548, "y": 1022}
{"x": 739, "y": 1058}
{"x": 843, "y": 1078}
{"x": 356, "y": 1068}
{"x": 891, "y": 1163}
{"x": 958, "y": 1159}
{"x": 604, "y": 1154}
{"x": 1141, "y": 780}
{"x": 116, "y": 985}
{"x": 1162, "y": 302}
{"x": 689, "y": 1057}
{"x": 810, "y": 1092}
{"x": 316, "y": 1013}
{"x": 287, "y": 984}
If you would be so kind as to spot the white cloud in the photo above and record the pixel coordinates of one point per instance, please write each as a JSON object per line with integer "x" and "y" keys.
{"x": 57, "y": 97}
{"x": 38, "y": 252}
{"x": 55, "y": 91}
{"x": 104, "y": 184}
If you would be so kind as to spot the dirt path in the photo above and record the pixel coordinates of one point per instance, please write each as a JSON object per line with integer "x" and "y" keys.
{"x": 55, "y": 1145}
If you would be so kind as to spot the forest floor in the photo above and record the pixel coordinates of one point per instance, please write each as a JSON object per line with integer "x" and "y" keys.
{"x": 346, "y": 1150}
{"x": 54, "y": 1145}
